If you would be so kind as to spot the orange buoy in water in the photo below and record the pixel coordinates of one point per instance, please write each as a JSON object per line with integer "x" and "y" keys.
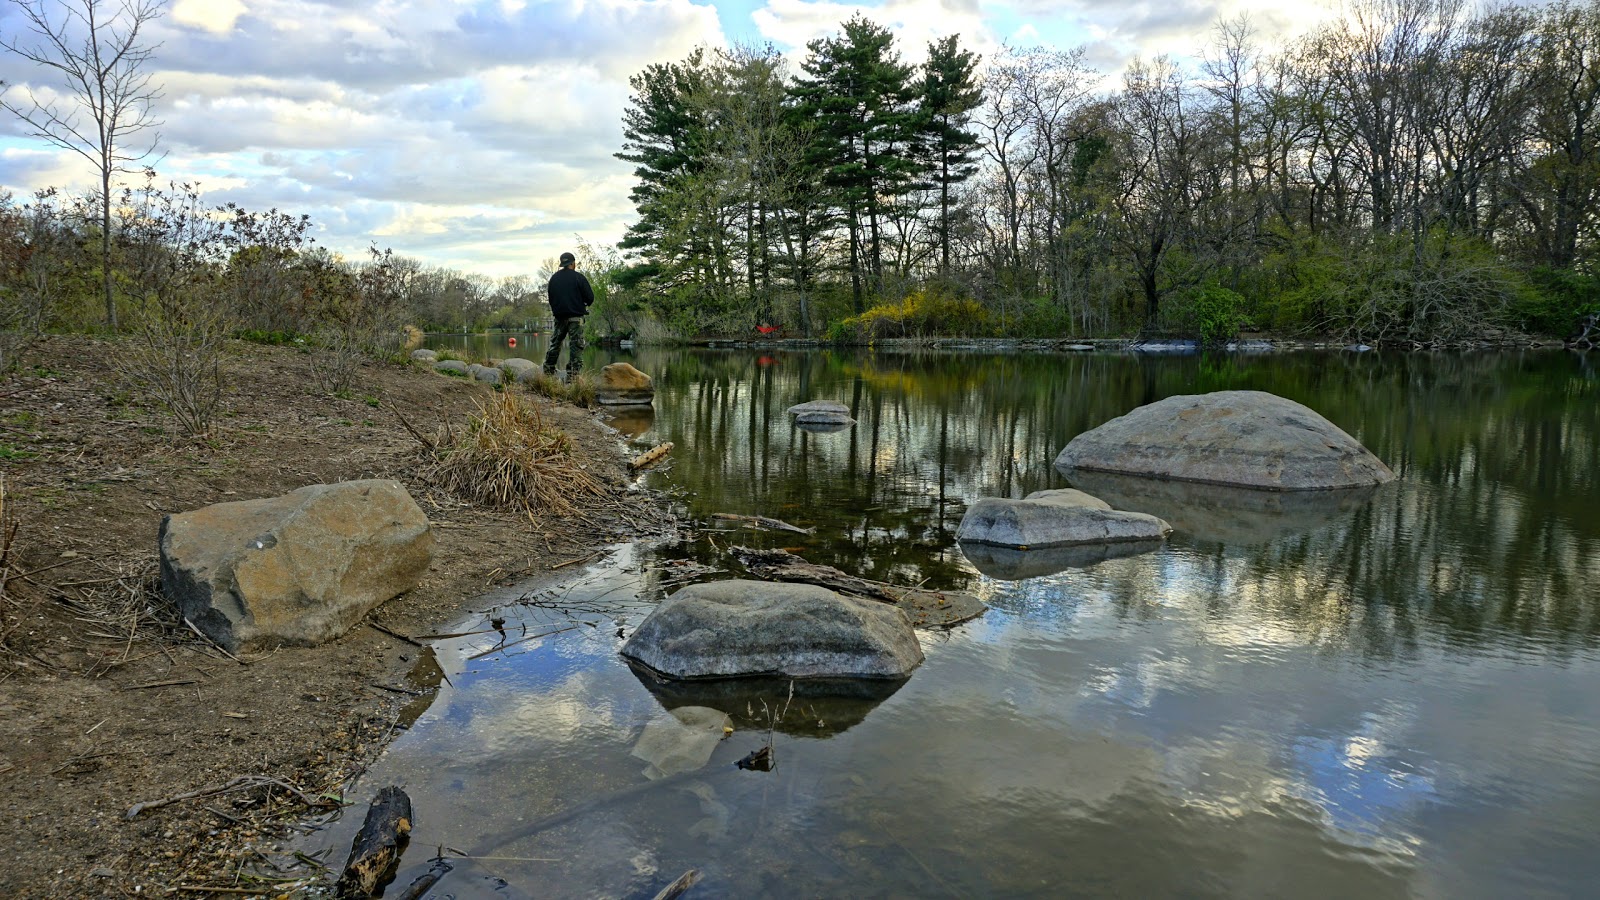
{"x": 511, "y": 341}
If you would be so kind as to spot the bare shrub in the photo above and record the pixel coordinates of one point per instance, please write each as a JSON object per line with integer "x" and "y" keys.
{"x": 174, "y": 251}
{"x": 38, "y": 250}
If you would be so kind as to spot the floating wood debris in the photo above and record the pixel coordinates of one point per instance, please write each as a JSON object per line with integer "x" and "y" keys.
{"x": 651, "y": 457}
{"x": 375, "y": 852}
{"x": 762, "y": 522}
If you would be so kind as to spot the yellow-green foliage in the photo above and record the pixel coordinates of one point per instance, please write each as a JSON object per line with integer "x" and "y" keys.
{"x": 924, "y": 312}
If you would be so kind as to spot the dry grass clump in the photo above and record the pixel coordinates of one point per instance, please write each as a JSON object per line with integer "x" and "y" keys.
{"x": 580, "y": 391}
{"x": 507, "y": 456}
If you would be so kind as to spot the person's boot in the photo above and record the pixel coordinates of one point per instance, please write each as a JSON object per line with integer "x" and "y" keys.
{"x": 549, "y": 371}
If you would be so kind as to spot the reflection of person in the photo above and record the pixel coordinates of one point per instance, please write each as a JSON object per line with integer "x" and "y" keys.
{"x": 570, "y": 298}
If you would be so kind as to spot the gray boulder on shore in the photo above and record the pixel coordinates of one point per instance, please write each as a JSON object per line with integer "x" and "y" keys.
{"x": 1054, "y": 519}
{"x": 424, "y": 355}
{"x": 295, "y": 570}
{"x": 726, "y": 629}
{"x": 1243, "y": 438}
{"x": 451, "y": 365}
{"x": 485, "y": 374}
{"x": 516, "y": 365}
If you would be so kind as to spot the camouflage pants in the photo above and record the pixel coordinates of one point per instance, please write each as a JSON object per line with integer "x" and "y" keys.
{"x": 571, "y": 331}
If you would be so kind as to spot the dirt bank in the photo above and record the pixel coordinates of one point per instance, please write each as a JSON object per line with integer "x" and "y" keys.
{"x": 107, "y": 701}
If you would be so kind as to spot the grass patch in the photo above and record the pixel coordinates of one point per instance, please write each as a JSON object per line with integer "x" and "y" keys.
{"x": 580, "y": 391}
{"x": 507, "y": 456}
{"x": 12, "y": 451}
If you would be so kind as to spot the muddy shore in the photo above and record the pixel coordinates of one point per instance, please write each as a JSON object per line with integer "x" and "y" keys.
{"x": 106, "y": 701}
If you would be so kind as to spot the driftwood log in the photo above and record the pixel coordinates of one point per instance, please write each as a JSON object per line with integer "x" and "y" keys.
{"x": 762, "y": 522}
{"x": 925, "y": 608}
{"x": 677, "y": 888}
{"x": 651, "y": 457}
{"x": 375, "y": 852}
{"x": 425, "y": 882}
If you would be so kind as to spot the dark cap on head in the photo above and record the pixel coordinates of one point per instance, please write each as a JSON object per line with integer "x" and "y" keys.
{"x": 568, "y": 259}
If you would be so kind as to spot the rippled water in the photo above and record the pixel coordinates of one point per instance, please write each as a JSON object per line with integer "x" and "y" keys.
{"x": 1385, "y": 695}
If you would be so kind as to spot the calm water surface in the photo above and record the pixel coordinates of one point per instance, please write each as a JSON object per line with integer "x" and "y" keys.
{"x": 1392, "y": 694}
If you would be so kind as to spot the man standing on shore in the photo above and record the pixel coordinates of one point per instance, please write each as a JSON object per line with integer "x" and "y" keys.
{"x": 570, "y": 299}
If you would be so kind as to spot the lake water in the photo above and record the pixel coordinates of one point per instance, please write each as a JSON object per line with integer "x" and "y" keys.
{"x": 1391, "y": 694}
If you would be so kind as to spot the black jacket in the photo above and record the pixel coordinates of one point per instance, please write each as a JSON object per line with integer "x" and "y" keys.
{"x": 570, "y": 294}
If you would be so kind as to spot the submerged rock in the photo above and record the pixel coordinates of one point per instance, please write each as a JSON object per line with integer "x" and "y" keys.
{"x": 728, "y": 629}
{"x": 681, "y": 740}
{"x": 299, "y": 569}
{"x": 1054, "y": 519}
{"x": 1242, "y": 438}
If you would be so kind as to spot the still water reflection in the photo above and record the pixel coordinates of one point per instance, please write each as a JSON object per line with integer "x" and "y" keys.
{"x": 1389, "y": 694}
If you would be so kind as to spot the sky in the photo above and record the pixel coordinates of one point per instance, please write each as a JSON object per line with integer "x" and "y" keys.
{"x": 479, "y": 134}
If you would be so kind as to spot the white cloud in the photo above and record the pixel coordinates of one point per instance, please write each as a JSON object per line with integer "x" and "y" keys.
{"x": 474, "y": 133}
{"x": 215, "y": 16}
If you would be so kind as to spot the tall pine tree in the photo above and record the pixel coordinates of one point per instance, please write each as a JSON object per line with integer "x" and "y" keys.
{"x": 950, "y": 93}
{"x": 860, "y": 99}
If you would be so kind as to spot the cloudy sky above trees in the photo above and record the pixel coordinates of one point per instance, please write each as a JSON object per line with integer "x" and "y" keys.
{"x": 479, "y": 134}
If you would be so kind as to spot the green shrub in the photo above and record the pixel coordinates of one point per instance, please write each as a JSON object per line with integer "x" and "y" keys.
{"x": 1554, "y": 300}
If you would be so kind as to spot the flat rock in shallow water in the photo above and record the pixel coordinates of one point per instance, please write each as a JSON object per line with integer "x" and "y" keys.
{"x": 1242, "y": 438}
{"x": 1054, "y": 519}
{"x": 832, "y": 407}
{"x": 815, "y": 419}
{"x": 1010, "y": 564}
{"x": 725, "y": 629}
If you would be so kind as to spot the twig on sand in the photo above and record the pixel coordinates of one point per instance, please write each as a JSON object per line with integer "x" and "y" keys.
{"x": 394, "y": 634}
{"x": 573, "y": 562}
{"x": 208, "y": 640}
{"x": 241, "y": 783}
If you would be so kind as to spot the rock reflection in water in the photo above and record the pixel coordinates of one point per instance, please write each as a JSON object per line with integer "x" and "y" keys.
{"x": 820, "y": 707}
{"x": 825, "y": 427}
{"x": 1219, "y": 513}
{"x": 1007, "y": 564}
{"x": 632, "y": 421}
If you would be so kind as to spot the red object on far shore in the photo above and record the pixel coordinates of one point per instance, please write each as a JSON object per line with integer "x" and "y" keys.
{"x": 766, "y": 329}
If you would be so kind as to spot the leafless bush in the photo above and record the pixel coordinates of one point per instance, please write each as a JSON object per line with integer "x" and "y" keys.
{"x": 174, "y": 251}
{"x": 37, "y": 252}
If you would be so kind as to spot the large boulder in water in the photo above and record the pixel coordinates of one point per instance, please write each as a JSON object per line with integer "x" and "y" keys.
{"x": 623, "y": 385}
{"x": 1243, "y": 438}
{"x": 1054, "y": 519}
{"x": 299, "y": 569}
{"x": 727, "y": 629}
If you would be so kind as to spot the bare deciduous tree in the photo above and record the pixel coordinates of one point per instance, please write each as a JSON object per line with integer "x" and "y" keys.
{"x": 98, "y": 51}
